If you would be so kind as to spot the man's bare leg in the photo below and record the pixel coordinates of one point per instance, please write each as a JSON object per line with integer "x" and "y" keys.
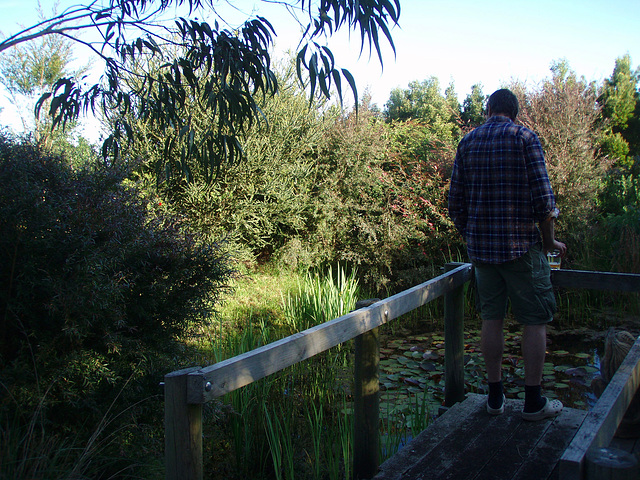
{"x": 534, "y": 346}
{"x": 492, "y": 345}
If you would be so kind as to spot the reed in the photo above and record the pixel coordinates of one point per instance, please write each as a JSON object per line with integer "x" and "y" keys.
{"x": 296, "y": 410}
{"x": 319, "y": 299}
{"x": 315, "y": 417}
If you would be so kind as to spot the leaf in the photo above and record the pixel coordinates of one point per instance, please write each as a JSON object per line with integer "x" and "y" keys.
{"x": 313, "y": 74}
{"x": 428, "y": 366}
{"x": 352, "y": 83}
{"x": 577, "y": 371}
{"x": 562, "y": 368}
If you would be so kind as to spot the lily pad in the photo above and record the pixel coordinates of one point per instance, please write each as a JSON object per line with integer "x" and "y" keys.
{"x": 428, "y": 366}
{"x": 577, "y": 371}
{"x": 562, "y": 368}
{"x": 429, "y": 355}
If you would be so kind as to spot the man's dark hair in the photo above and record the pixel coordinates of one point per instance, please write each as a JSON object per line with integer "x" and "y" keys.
{"x": 505, "y": 102}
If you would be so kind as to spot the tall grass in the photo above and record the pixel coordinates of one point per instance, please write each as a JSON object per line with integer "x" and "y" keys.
{"x": 32, "y": 448}
{"x": 319, "y": 299}
{"x": 298, "y": 423}
{"x": 291, "y": 424}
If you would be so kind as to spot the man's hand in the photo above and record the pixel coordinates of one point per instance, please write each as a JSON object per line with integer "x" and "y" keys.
{"x": 561, "y": 247}
{"x": 549, "y": 243}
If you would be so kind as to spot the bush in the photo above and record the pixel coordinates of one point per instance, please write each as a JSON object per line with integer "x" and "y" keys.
{"x": 381, "y": 202}
{"x": 97, "y": 286}
{"x": 562, "y": 111}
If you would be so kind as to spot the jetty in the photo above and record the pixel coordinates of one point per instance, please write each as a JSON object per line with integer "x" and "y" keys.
{"x": 464, "y": 442}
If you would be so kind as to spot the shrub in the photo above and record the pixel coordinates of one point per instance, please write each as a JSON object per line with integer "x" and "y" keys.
{"x": 563, "y": 112}
{"x": 381, "y": 201}
{"x": 97, "y": 286}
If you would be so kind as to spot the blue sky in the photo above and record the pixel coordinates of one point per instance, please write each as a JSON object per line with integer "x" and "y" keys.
{"x": 464, "y": 41}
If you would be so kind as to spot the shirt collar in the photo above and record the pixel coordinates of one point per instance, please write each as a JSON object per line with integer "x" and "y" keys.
{"x": 499, "y": 119}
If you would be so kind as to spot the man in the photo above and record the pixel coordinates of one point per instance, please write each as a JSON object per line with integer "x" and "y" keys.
{"x": 501, "y": 201}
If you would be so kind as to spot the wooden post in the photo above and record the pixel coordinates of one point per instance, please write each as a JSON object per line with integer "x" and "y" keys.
{"x": 611, "y": 464}
{"x": 182, "y": 429}
{"x": 453, "y": 343}
{"x": 366, "y": 435}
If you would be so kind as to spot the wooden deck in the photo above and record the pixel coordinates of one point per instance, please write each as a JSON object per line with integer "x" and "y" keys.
{"x": 467, "y": 443}
{"x": 464, "y": 443}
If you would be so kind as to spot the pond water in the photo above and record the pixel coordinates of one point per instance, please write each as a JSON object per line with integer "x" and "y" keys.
{"x": 412, "y": 371}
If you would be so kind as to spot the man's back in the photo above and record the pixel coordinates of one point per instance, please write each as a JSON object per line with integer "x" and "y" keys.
{"x": 499, "y": 190}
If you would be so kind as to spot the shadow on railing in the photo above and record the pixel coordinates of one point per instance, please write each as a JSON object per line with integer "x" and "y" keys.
{"x": 186, "y": 391}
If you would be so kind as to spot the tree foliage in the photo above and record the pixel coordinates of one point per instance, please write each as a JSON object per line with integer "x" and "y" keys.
{"x": 473, "y": 107}
{"x": 620, "y": 102}
{"x": 235, "y": 62}
{"x": 99, "y": 285}
{"x": 266, "y": 202}
{"x": 439, "y": 114}
{"x": 563, "y": 112}
{"x": 30, "y": 69}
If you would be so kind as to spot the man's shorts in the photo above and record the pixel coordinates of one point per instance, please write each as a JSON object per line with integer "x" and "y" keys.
{"x": 525, "y": 281}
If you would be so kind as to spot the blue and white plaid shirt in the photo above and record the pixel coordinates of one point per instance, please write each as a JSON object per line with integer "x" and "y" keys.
{"x": 500, "y": 191}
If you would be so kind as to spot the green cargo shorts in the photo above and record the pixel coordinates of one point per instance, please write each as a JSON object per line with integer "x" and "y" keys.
{"x": 526, "y": 282}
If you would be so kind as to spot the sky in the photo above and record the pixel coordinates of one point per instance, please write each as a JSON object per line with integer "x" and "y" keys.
{"x": 464, "y": 42}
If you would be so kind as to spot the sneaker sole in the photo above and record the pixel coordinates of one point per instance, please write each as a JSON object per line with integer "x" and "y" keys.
{"x": 551, "y": 409}
{"x": 496, "y": 411}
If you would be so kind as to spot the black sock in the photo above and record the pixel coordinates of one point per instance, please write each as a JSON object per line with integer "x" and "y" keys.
{"x": 533, "y": 400}
{"x": 495, "y": 394}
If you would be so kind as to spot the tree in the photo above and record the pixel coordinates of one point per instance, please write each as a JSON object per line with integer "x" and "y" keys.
{"x": 439, "y": 115}
{"x": 563, "y": 112}
{"x": 619, "y": 95}
{"x": 235, "y": 62}
{"x": 621, "y": 108}
{"x": 473, "y": 107}
{"x": 29, "y": 69}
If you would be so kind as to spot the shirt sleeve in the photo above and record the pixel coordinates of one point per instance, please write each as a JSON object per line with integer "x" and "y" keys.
{"x": 457, "y": 205}
{"x": 543, "y": 200}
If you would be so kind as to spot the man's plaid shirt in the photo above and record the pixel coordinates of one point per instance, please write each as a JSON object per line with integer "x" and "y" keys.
{"x": 500, "y": 190}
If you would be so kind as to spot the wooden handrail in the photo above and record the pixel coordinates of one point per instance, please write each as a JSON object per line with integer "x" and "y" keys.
{"x": 187, "y": 390}
{"x": 190, "y": 389}
{"x": 602, "y": 421}
{"x": 622, "y": 282}
{"x": 228, "y": 375}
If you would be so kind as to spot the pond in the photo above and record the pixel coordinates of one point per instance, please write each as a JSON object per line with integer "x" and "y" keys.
{"x": 412, "y": 370}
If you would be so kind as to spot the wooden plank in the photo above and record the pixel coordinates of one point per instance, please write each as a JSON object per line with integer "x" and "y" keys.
{"x": 183, "y": 429}
{"x": 396, "y": 466}
{"x": 465, "y": 448}
{"x": 624, "y": 282}
{"x": 602, "y": 421}
{"x": 467, "y": 443}
{"x": 366, "y": 405}
{"x": 492, "y": 448}
{"x": 453, "y": 343}
{"x": 226, "y": 376}
{"x": 517, "y": 446}
{"x": 541, "y": 461}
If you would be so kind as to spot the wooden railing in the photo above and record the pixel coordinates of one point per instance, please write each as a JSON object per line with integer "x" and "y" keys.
{"x": 582, "y": 459}
{"x": 186, "y": 391}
